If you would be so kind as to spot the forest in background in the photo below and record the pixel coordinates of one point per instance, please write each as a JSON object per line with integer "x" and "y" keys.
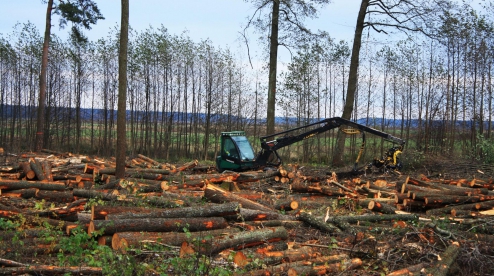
{"x": 183, "y": 93}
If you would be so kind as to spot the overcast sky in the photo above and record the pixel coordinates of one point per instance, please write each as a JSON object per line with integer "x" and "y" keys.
{"x": 219, "y": 20}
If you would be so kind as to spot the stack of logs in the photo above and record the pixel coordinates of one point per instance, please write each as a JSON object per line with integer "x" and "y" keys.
{"x": 243, "y": 210}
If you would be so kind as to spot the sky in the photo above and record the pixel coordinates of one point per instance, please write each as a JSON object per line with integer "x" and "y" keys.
{"x": 217, "y": 20}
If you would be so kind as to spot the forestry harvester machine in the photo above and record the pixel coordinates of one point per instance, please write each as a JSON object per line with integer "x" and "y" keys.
{"x": 237, "y": 154}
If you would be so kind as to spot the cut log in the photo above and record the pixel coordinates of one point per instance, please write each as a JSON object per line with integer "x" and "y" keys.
{"x": 257, "y": 215}
{"x": 157, "y": 225}
{"x": 10, "y": 263}
{"x": 447, "y": 199}
{"x": 381, "y": 207}
{"x": 340, "y": 186}
{"x": 274, "y": 257}
{"x": 150, "y": 160}
{"x": 27, "y": 171}
{"x": 290, "y": 224}
{"x": 37, "y": 168}
{"x": 22, "y": 193}
{"x": 46, "y": 166}
{"x": 286, "y": 205}
{"x": 186, "y": 166}
{"x": 17, "y": 185}
{"x": 207, "y": 210}
{"x": 102, "y": 194}
{"x": 125, "y": 240}
{"x": 411, "y": 270}
{"x": 318, "y": 223}
{"x": 309, "y": 268}
{"x": 55, "y": 196}
{"x": 244, "y": 239}
{"x": 373, "y": 218}
{"x": 218, "y": 195}
{"x": 485, "y": 205}
{"x": 256, "y": 176}
{"x": 51, "y": 270}
{"x": 448, "y": 257}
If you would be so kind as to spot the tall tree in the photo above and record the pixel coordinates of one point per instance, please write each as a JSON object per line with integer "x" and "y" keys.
{"x": 405, "y": 15}
{"x": 122, "y": 91}
{"x": 79, "y": 13}
{"x": 284, "y": 25}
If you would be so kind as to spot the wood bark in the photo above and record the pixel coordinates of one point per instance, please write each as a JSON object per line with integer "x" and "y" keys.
{"x": 207, "y": 210}
{"x": 37, "y": 168}
{"x": 157, "y": 225}
{"x": 124, "y": 240}
{"x": 22, "y": 193}
{"x": 218, "y": 195}
{"x": 55, "y": 196}
{"x": 448, "y": 257}
{"x": 27, "y": 171}
{"x": 318, "y": 223}
{"x": 409, "y": 270}
{"x": 51, "y": 270}
{"x": 244, "y": 239}
{"x": 381, "y": 207}
{"x": 286, "y": 205}
{"x": 17, "y": 185}
{"x": 257, "y": 215}
{"x": 102, "y": 194}
{"x": 373, "y": 218}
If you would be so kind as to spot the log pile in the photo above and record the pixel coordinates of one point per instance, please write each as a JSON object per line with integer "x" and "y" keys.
{"x": 298, "y": 221}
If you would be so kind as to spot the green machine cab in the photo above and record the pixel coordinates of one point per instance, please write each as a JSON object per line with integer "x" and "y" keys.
{"x": 236, "y": 153}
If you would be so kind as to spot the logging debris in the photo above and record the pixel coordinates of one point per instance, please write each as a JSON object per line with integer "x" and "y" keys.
{"x": 298, "y": 221}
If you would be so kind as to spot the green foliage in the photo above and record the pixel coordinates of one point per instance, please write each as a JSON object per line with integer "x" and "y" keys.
{"x": 486, "y": 148}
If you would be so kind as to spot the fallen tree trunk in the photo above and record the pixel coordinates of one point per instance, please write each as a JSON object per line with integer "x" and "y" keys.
{"x": 447, "y": 199}
{"x": 18, "y": 185}
{"x": 485, "y": 205}
{"x": 374, "y": 218}
{"x": 22, "y": 193}
{"x": 28, "y": 173}
{"x": 381, "y": 207}
{"x": 244, "y": 239}
{"x": 102, "y": 194}
{"x": 51, "y": 270}
{"x": 156, "y": 225}
{"x": 207, "y": 210}
{"x": 37, "y": 168}
{"x": 318, "y": 223}
{"x": 218, "y": 195}
{"x": 256, "y": 215}
{"x": 448, "y": 257}
{"x": 125, "y": 240}
{"x": 309, "y": 268}
{"x": 55, "y": 196}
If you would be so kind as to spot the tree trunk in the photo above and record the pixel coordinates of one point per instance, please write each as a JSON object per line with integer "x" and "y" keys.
{"x": 208, "y": 210}
{"x": 124, "y": 240}
{"x": 216, "y": 194}
{"x": 122, "y": 91}
{"x": 273, "y": 60}
{"x": 42, "y": 80}
{"x": 352, "y": 82}
{"x": 157, "y": 225}
{"x": 245, "y": 239}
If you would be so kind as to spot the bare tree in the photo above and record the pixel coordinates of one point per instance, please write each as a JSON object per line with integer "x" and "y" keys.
{"x": 404, "y": 15}
{"x": 122, "y": 91}
{"x": 80, "y": 13}
{"x": 285, "y": 27}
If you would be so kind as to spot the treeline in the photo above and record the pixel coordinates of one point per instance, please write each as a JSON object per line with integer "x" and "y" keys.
{"x": 182, "y": 93}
